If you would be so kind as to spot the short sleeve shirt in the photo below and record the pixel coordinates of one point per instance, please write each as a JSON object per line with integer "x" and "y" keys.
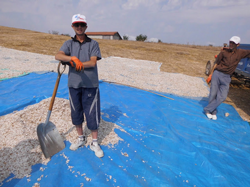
{"x": 83, "y": 51}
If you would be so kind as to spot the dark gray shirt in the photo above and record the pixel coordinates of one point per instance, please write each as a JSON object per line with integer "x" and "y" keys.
{"x": 83, "y": 51}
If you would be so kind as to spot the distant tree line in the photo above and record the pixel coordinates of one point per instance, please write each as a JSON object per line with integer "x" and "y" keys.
{"x": 140, "y": 37}
{"x": 56, "y": 33}
{"x": 125, "y": 37}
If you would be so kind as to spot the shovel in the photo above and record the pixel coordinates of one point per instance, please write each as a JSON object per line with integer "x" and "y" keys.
{"x": 50, "y": 140}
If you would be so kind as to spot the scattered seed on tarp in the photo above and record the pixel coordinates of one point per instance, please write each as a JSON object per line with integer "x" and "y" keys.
{"x": 87, "y": 179}
{"x": 125, "y": 154}
{"x": 36, "y": 185}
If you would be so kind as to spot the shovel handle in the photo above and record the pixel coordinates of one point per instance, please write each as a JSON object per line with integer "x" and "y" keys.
{"x": 58, "y": 68}
{"x": 56, "y": 86}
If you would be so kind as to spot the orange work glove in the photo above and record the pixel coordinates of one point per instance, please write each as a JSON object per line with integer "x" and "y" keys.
{"x": 76, "y": 63}
{"x": 209, "y": 78}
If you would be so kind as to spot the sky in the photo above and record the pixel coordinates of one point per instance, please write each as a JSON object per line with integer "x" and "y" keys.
{"x": 194, "y": 22}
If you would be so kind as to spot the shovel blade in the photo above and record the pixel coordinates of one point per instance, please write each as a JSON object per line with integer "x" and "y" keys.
{"x": 50, "y": 140}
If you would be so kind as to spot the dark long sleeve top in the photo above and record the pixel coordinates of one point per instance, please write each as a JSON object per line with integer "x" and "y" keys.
{"x": 227, "y": 60}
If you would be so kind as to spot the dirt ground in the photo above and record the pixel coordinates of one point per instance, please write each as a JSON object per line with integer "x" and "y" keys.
{"x": 239, "y": 97}
{"x": 175, "y": 58}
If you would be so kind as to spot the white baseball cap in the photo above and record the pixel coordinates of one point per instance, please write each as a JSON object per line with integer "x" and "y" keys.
{"x": 78, "y": 18}
{"x": 235, "y": 39}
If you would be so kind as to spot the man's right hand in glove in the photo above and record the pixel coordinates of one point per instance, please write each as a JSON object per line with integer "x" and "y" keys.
{"x": 76, "y": 63}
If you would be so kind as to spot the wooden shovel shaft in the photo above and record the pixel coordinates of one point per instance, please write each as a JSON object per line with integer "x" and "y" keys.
{"x": 56, "y": 87}
{"x": 52, "y": 100}
{"x": 54, "y": 93}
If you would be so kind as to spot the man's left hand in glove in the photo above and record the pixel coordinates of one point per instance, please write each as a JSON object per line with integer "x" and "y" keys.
{"x": 76, "y": 63}
{"x": 209, "y": 78}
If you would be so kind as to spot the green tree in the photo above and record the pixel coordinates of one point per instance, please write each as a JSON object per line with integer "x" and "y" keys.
{"x": 65, "y": 34}
{"x": 125, "y": 37}
{"x": 141, "y": 37}
{"x": 54, "y": 32}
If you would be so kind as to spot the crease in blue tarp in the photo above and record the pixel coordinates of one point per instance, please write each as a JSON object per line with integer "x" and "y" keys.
{"x": 168, "y": 142}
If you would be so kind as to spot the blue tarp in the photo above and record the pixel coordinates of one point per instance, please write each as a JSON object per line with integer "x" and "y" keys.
{"x": 168, "y": 142}
{"x": 17, "y": 93}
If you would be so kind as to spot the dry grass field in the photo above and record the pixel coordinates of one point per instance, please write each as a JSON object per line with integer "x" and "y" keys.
{"x": 175, "y": 58}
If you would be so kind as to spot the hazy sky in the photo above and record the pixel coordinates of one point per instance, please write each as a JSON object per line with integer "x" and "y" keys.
{"x": 199, "y": 22}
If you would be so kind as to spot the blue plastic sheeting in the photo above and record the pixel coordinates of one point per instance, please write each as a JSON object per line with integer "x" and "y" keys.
{"x": 168, "y": 142}
{"x": 17, "y": 93}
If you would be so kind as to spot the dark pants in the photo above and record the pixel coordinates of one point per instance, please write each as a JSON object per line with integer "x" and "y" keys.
{"x": 218, "y": 91}
{"x": 85, "y": 101}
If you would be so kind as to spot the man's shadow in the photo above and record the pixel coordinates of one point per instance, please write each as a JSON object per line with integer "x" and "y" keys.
{"x": 19, "y": 160}
{"x": 111, "y": 114}
{"x": 203, "y": 101}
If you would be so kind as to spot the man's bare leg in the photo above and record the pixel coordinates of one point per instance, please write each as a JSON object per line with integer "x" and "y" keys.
{"x": 81, "y": 138}
{"x": 94, "y": 134}
{"x": 79, "y": 130}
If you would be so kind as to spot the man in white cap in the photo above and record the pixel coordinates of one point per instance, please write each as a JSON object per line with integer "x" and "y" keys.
{"x": 223, "y": 69}
{"x": 81, "y": 54}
